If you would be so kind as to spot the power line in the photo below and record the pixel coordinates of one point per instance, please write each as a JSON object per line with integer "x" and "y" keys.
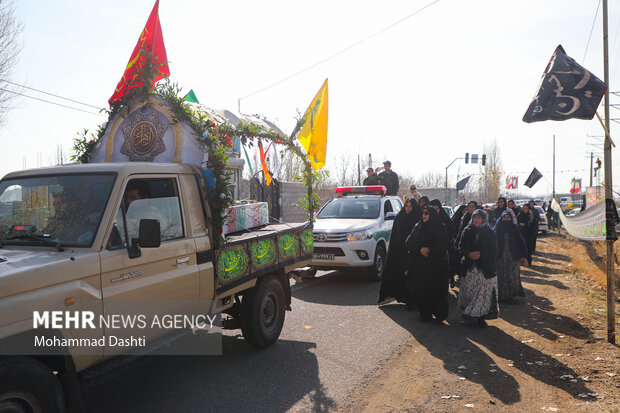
{"x": 50, "y": 94}
{"x": 591, "y": 30}
{"x": 48, "y": 101}
{"x": 339, "y": 52}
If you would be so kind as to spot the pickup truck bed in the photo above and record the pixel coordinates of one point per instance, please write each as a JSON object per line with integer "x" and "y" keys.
{"x": 252, "y": 254}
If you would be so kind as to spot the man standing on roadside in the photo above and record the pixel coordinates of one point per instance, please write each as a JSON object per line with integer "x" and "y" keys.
{"x": 415, "y": 194}
{"x": 389, "y": 178}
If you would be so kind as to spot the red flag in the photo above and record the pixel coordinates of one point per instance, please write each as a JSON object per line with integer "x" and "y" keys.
{"x": 263, "y": 163}
{"x": 152, "y": 41}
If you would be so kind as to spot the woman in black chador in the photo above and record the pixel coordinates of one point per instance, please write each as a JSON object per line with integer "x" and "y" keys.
{"x": 471, "y": 207}
{"x": 393, "y": 283}
{"x": 456, "y": 219}
{"x": 478, "y": 289}
{"x": 525, "y": 219}
{"x": 512, "y": 253}
{"x": 427, "y": 270}
{"x": 501, "y": 207}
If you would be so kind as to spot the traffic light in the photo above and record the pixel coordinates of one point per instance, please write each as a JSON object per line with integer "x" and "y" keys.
{"x": 484, "y": 160}
{"x": 466, "y": 157}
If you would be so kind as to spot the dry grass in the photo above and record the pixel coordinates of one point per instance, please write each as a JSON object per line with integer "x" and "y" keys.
{"x": 588, "y": 258}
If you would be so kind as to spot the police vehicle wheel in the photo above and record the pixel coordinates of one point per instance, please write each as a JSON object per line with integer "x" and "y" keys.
{"x": 28, "y": 386}
{"x": 378, "y": 266}
{"x": 262, "y": 312}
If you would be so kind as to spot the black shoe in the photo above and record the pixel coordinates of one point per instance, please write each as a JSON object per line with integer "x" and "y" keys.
{"x": 482, "y": 323}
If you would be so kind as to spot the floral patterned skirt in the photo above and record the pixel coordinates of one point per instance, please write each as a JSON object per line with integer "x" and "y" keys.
{"x": 478, "y": 295}
{"x": 509, "y": 277}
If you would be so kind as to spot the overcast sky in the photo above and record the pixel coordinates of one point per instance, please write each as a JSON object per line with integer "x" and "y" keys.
{"x": 422, "y": 93}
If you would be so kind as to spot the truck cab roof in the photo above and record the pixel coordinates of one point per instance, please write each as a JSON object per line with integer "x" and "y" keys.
{"x": 122, "y": 168}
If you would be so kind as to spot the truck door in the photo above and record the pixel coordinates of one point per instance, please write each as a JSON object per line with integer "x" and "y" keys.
{"x": 161, "y": 280}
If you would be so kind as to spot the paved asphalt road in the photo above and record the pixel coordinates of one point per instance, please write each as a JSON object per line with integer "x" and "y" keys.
{"x": 334, "y": 336}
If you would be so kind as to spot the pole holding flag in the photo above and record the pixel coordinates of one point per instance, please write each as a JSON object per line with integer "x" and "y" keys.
{"x": 534, "y": 177}
{"x": 566, "y": 91}
{"x": 150, "y": 46}
{"x": 313, "y": 133}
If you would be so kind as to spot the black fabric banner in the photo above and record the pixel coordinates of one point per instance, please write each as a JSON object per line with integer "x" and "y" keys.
{"x": 460, "y": 185}
{"x": 533, "y": 178}
{"x": 566, "y": 91}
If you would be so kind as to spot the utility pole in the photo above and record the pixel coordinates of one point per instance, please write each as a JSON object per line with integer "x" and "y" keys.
{"x": 609, "y": 196}
{"x": 554, "y": 166}
{"x": 591, "y": 166}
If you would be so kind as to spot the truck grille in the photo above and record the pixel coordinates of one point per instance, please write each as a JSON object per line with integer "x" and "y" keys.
{"x": 338, "y": 252}
{"x": 333, "y": 237}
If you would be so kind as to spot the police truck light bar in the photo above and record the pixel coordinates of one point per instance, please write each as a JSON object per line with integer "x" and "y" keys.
{"x": 361, "y": 190}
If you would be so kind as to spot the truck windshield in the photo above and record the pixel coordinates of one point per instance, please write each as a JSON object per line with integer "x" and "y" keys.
{"x": 65, "y": 209}
{"x": 351, "y": 208}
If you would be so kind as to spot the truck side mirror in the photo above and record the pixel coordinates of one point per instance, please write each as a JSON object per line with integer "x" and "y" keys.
{"x": 149, "y": 233}
{"x": 390, "y": 216}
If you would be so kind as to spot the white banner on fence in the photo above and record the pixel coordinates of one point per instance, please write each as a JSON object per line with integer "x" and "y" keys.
{"x": 589, "y": 224}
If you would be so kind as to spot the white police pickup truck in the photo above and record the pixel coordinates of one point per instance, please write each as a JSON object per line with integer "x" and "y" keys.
{"x": 352, "y": 231}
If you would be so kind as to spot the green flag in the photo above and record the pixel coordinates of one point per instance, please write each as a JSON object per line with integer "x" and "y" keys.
{"x": 191, "y": 97}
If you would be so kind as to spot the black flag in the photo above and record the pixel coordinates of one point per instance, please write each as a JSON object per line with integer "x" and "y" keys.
{"x": 460, "y": 185}
{"x": 566, "y": 91}
{"x": 533, "y": 178}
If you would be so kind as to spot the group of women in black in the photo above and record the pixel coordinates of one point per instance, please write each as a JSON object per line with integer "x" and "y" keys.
{"x": 428, "y": 249}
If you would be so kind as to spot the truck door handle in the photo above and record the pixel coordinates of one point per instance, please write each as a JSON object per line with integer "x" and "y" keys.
{"x": 183, "y": 260}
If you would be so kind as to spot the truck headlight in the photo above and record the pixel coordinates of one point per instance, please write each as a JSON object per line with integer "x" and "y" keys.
{"x": 359, "y": 236}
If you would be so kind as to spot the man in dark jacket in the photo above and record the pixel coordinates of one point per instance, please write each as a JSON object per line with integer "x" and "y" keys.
{"x": 389, "y": 178}
{"x": 372, "y": 178}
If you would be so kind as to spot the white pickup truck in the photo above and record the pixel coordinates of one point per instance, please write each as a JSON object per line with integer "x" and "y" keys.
{"x": 352, "y": 231}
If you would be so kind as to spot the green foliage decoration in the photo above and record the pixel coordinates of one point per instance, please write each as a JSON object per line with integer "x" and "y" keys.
{"x": 216, "y": 141}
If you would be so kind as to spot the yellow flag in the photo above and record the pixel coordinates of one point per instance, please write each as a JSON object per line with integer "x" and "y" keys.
{"x": 313, "y": 134}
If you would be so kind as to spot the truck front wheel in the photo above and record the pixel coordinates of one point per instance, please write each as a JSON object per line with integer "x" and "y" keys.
{"x": 262, "y": 312}
{"x": 29, "y": 386}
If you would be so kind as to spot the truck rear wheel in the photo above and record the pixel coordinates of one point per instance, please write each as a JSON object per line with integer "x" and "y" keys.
{"x": 378, "y": 265}
{"x": 262, "y": 312}
{"x": 27, "y": 386}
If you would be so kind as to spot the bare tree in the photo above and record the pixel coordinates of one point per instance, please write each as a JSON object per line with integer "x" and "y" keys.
{"x": 489, "y": 179}
{"x": 10, "y": 46}
{"x": 431, "y": 180}
{"x": 344, "y": 170}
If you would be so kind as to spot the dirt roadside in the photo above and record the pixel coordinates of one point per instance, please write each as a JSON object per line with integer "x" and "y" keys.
{"x": 547, "y": 352}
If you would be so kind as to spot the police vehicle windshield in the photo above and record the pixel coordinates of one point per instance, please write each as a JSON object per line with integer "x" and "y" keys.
{"x": 354, "y": 208}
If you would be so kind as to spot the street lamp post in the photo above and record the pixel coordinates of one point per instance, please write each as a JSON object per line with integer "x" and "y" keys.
{"x": 447, "y": 195}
